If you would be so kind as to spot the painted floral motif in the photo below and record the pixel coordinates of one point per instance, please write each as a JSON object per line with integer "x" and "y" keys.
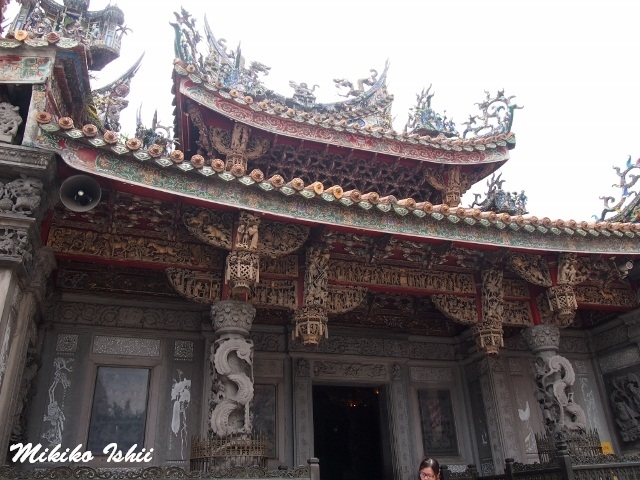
{"x": 55, "y": 408}
{"x": 181, "y": 397}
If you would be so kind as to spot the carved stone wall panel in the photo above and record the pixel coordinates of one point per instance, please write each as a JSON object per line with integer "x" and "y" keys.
{"x": 621, "y": 359}
{"x": 431, "y": 374}
{"x": 492, "y": 414}
{"x": 517, "y": 314}
{"x": 365, "y": 346}
{"x": 363, "y": 274}
{"x": 574, "y": 344}
{"x": 268, "y": 342}
{"x": 399, "y": 426}
{"x": 77, "y": 313}
{"x": 66, "y": 342}
{"x": 183, "y": 349}
{"x": 610, "y": 338}
{"x": 515, "y": 366}
{"x": 596, "y": 295}
{"x": 623, "y": 391}
{"x": 481, "y": 425}
{"x": 303, "y": 421}
{"x": 506, "y": 408}
{"x": 106, "y": 245}
{"x": 350, "y": 370}
{"x": 268, "y": 368}
{"x": 129, "y": 346}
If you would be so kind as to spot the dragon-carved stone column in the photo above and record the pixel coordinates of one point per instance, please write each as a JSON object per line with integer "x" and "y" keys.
{"x": 311, "y": 319}
{"x": 554, "y": 382}
{"x": 488, "y": 333}
{"x": 232, "y": 368}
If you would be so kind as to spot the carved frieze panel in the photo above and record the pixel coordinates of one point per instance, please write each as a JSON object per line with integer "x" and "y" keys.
{"x": 183, "y": 349}
{"x": 515, "y": 288}
{"x": 621, "y": 295}
{"x": 517, "y": 314}
{"x": 624, "y": 396}
{"x": 21, "y": 196}
{"x": 358, "y": 273}
{"x": 15, "y": 243}
{"x": 213, "y": 228}
{"x": 66, "y": 342}
{"x": 276, "y": 293}
{"x": 280, "y": 267}
{"x": 431, "y": 374}
{"x": 106, "y": 245}
{"x": 268, "y": 368}
{"x": 203, "y": 287}
{"x": 459, "y": 309}
{"x": 532, "y": 268}
{"x": 349, "y": 370}
{"x": 77, "y": 313}
{"x": 268, "y": 342}
{"x": 344, "y": 299}
{"x": 278, "y": 238}
{"x": 620, "y": 359}
{"x": 129, "y": 346}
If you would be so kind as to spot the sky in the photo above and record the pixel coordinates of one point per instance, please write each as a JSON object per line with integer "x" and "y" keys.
{"x": 570, "y": 64}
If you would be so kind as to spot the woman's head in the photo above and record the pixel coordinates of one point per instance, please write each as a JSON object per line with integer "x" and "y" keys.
{"x": 429, "y": 469}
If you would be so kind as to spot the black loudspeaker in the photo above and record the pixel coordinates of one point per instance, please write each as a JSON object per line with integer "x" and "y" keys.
{"x": 80, "y": 193}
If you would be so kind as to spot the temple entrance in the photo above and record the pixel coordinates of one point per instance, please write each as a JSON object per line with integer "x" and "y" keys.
{"x": 351, "y": 433}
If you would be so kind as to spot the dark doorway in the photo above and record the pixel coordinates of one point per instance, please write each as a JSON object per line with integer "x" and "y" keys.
{"x": 347, "y": 432}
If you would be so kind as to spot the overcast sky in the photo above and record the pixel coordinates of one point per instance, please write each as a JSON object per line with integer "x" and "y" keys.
{"x": 570, "y": 64}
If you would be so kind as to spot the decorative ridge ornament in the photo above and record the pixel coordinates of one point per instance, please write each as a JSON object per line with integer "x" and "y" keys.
{"x": 423, "y": 120}
{"x": 496, "y": 116}
{"x": 627, "y": 208}
{"x": 500, "y": 201}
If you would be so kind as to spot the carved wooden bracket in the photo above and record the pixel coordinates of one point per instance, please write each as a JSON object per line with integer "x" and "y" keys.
{"x": 532, "y": 268}
{"x": 459, "y": 309}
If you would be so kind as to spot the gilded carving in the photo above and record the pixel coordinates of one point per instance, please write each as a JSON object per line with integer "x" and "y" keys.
{"x": 344, "y": 299}
{"x": 242, "y": 272}
{"x": 208, "y": 226}
{"x": 203, "y": 287}
{"x": 281, "y": 266}
{"x": 459, "y": 309}
{"x": 532, "y": 268}
{"x": 349, "y": 370}
{"x": 488, "y": 333}
{"x": 276, "y": 293}
{"x": 278, "y": 238}
{"x": 316, "y": 278}
{"x": 247, "y": 232}
{"x": 517, "y": 314}
{"x": 368, "y": 274}
{"x": 562, "y": 304}
{"x": 592, "y": 294}
{"x": 106, "y": 245}
{"x": 238, "y": 145}
{"x": 570, "y": 269}
{"x": 515, "y": 288}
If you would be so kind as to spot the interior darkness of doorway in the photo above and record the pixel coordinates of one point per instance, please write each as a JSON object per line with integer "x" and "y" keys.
{"x": 350, "y": 433}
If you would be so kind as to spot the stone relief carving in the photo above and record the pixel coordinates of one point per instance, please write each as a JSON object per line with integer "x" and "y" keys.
{"x": 15, "y": 243}
{"x": 213, "y": 228}
{"x": 231, "y": 368}
{"x": 431, "y": 374}
{"x": 131, "y": 346}
{"x": 303, "y": 369}
{"x": 202, "y": 287}
{"x": 78, "y": 313}
{"x": 31, "y": 367}
{"x": 66, "y": 342}
{"x": 349, "y": 370}
{"x": 459, "y": 309}
{"x": 183, "y": 349}
{"x": 542, "y": 337}
{"x": 269, "y": 342}
{"x": 620, "y": 359}
{"x": 554, "y": 381}
{"x": 532, "y": 268}
{"x": 268, "y": 368}
{"x": 625, "y": 403}
{"x": 10, "y": 120}
{"x": 22, "y": 195}
{"x": 55, "y": 408}
{"x": 181, "y": 398}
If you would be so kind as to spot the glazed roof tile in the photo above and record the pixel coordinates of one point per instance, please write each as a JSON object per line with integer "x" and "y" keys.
{"x": 58, "y": 134}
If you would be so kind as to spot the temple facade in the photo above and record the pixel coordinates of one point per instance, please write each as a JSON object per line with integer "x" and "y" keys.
{"x": 294, "y": 276}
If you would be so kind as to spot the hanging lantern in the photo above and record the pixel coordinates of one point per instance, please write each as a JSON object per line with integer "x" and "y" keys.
{"x": 488, "y": 337}
{"x": 310, "y": 325}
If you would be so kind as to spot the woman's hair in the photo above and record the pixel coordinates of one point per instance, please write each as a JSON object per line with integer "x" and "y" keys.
{"x": 431, "y": 463}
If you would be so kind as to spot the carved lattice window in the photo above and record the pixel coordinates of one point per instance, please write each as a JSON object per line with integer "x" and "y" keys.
{"x": 437, "y": 422}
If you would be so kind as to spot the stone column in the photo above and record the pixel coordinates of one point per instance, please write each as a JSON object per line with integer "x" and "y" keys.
{"x": 554, "y": 382}
{"x": 498, "y": 424}
{"x": 232, "y": 368}
{"x": 303, "y": 414}
{"x": 404, "y": 466}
